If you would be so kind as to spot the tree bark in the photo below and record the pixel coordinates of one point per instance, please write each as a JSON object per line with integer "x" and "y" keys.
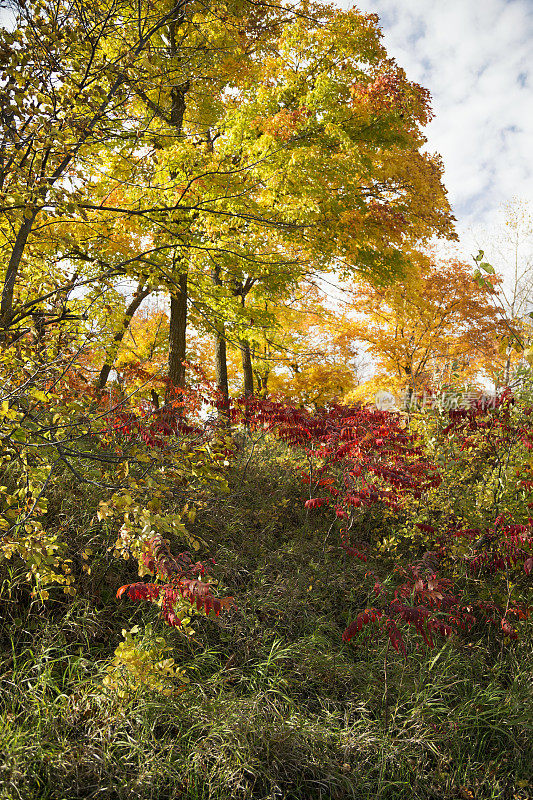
{"x": 221, "y": 364}
{"x": 262, "y": 382}
{"x": 140, "y": 294}
{"x": 6, "y": 306}
{"x": 247, "y": 368}
{"x": 178, "y": 300}
{"x": 221, "y": 376}
{"x": 507, "y": 368}
{"x": 242, "y": 289}
{"x": 177, "y": 337}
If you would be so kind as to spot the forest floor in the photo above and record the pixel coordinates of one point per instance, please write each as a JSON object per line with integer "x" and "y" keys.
{"x": 276, "y": 707}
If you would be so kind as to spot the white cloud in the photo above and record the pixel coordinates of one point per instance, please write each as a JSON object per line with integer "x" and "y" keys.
{"x": 7, "y": 18}
{"x": 476, "y": 60}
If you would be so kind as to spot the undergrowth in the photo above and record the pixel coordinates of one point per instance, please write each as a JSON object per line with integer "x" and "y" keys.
{"x": 273, "y": 705}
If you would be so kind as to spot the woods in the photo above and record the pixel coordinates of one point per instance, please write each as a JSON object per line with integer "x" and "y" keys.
{"x": 226, "y": 571}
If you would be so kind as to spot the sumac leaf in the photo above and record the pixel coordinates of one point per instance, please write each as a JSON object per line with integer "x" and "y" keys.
{"x": 139, "y": 591}
{"x": 363, "y": 618}
{"x": 314, "y": 502}
{"x": 395, "y": 637}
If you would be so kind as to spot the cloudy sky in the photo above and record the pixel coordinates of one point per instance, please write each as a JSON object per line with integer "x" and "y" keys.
{"x": 476, "y": 58}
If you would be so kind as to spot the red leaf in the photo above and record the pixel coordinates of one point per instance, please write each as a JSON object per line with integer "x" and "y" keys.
{"x": 508, "y": 629}
{"x": 139, "y": 591}
{"x": 363, "y": 618}
{"x": 353, "y": 551}
{"x": 314, "y": 502}
{"x": 395, "y": 637}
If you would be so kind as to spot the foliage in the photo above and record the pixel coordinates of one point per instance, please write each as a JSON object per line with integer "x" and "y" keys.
{"x": 178, "y": 574}
{"x": 241, "y": 151}
{"x": 131, "y": 458}
{"x": 508, "y": 245}
{"x": 126, "y": 158}
{"x": 275, "y": 702}
{"x": 433, "y": 331}
{"x": 141, "y": 663}
{"x": 310, "y": 356}
{"x": 361, "y": 459}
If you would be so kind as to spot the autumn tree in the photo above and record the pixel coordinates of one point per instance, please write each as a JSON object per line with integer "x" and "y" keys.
{"x": 421, "y": 331}
{"x": 310, "y": 159}
{"x": 92, "y": 119}
{"x": 298, "y": 150}
{"x": 309, "y": 358}
{"x": 145, "y": 211}
{"x": 70, "y": 72}
{"x": 327, "y": 138}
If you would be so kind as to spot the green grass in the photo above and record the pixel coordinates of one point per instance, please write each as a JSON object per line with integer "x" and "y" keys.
{"x": 277, "y": 707}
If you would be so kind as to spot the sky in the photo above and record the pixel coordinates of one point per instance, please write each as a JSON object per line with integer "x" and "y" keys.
{"x": 476, "y": 59}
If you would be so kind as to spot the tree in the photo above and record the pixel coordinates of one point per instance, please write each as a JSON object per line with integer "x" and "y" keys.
{"x": 311, "y": 158}
{"x": 140, "y": 294}
{"x": 421, "y": 332}
{"x": 310, "y": 355}
{"x": 343, "y": 130}
{"x": 510, "y": 248}
{"x": 299, "y": 150}
{"x": 327, "y": 141}
{"x": 70, "y": 72}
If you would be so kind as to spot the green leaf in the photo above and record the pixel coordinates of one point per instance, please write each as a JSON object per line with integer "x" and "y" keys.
{"x": 488, "y": 268}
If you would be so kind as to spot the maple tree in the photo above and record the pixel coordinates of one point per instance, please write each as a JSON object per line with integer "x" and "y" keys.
{"x": 78, "y": 144}
{"x": 309, "y": 357}
{"x": 326, "y": 143}
{"x": 169, "y": 202}
{"x": 435, "y": 330}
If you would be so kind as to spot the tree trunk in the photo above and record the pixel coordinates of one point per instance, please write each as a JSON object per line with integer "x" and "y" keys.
{"x": 177, "y": 337}
{"x": 507, "y": 369}
{"x": 140, "y": 294}
{"x": 247, "y": 368}
{"x": 262, "y": 383}
{"x": 6, "y": 305}
{"x": 246, "y": 356}
{"x": 221, "y": 364}
{"x": 178, "y": 302}
{"x": 262, "y": 374}
{"x": 221, "y": 374}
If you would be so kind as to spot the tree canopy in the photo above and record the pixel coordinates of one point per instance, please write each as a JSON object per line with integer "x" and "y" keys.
{"x": 220, "y": 154}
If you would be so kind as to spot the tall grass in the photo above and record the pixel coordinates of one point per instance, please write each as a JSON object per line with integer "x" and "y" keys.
{"x": 277, "y": 706}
